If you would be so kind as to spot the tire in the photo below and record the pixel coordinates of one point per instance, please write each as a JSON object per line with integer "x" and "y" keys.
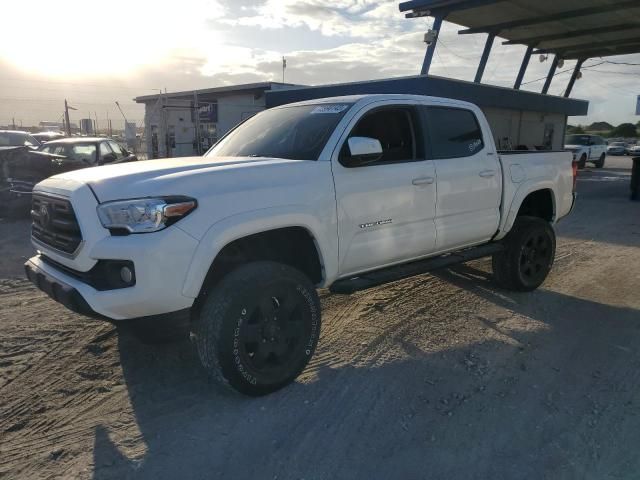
{"x": 582, "y": 163}
{"x": 258, "y": 328}
{"x": 600, "y": 162}
{"x": 528, "y": 256}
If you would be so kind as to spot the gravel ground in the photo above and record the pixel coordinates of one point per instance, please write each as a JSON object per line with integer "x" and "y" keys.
{"x": 441, "y": 376}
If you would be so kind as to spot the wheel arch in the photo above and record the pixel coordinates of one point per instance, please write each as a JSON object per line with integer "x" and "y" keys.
{"x": 535, "y": 199}
{"x": 260, "y": 229}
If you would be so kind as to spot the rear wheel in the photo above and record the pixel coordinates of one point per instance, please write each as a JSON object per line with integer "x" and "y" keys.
{"x": 258, "y": 328}
{"x": 600, "y": 162}
{"x": 528, "y": 255}
{"x": 582, "y": 163}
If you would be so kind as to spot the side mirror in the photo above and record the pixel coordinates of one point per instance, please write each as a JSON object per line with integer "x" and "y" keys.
{"x": 362, "y": 151}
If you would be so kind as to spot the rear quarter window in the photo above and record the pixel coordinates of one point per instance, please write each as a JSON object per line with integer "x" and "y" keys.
{"x": 453, "y": 132}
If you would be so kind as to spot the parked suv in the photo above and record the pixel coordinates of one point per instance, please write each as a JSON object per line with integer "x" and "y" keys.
{"x": 587, "y": 148}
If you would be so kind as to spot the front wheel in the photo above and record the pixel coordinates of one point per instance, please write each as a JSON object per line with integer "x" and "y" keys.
{"x": 528, "y": 255}
{"x": 258, "y": 328}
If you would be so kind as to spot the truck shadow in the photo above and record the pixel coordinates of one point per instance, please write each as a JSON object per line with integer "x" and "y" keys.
{"x": 555, "y": 401}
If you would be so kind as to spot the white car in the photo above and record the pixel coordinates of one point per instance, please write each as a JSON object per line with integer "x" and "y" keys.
{"x": 587, "y": 148}
{"x": 617, "y": 148}
{"x": 345, "y": 192}
{"x": 633, "y": 150}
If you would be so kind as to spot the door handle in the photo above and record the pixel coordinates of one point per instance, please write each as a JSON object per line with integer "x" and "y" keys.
{"x": 423, "y": 181}
{"x": 487, "y": 173}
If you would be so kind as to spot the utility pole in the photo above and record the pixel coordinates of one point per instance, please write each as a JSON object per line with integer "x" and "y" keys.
{"x": 196, "y": 121}
{"x": 66, "y": 118}
{"x": 95, "y": 115}
{"x": 13, "y": 123}
{"x": 284, "y": 66}
{"x": 109, "y": 125}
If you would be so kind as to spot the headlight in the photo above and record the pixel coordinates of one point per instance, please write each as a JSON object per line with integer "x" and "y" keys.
{"x": 143, "y": 215}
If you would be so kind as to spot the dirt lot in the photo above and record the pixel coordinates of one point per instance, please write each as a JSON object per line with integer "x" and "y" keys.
{"x": 441, "y": 376}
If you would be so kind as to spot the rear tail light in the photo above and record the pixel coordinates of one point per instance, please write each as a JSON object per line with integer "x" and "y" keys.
{"x": 574, "y": 167}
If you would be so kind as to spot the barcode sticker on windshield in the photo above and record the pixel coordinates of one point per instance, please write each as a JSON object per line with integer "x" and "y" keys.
{"x": 329, "y": 109}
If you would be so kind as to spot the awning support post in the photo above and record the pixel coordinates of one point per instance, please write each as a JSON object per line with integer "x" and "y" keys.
{"x": 523, "y": 68}
{"x": 431, "y": 48}
{"x": 574, "y": 77}
{"x": 552, "y": 72}
{"x": 485, "y": 57}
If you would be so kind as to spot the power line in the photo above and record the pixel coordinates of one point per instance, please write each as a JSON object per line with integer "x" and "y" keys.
{"x": 616, "y": 72}
{"x": 622, "y": 63}
{"x": 21, "y": 80}
{"x": 560, "y": 72}
{"x": 440, "y": 42}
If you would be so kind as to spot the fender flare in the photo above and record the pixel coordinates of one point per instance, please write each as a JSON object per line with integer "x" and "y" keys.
{"x": 523, "y": 191}
{"x": 241, "y": 225}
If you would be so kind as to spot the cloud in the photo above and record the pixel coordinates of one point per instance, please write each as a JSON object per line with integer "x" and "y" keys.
{"x": 241, "y": 41}
{"x": 356, "y": 18}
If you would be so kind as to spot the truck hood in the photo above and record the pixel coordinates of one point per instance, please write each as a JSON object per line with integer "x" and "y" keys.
{"x": 574, "y": 147}
{"x": 161, "y": 177}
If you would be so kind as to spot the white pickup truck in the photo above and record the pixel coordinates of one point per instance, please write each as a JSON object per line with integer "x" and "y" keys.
{"x": 345, "y": 193}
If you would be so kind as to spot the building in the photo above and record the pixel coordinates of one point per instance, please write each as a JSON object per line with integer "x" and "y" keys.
{"x": 179, "y": 124}
{"x": 519, "y": 119}
{"x": 86, "y": 126}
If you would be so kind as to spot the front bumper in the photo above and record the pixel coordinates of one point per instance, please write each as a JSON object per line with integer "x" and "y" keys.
{"x": 57, "y": 289}
{"x": 161, "y": 262}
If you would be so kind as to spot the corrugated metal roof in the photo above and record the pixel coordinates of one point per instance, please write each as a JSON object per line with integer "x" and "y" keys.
{"x": 571, "y": 29}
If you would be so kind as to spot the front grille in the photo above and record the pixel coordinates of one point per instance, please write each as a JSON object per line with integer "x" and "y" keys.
{"x": 54, "y": 223}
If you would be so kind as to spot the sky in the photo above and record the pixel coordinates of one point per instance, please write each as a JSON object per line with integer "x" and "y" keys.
{"x": 94, "y": 55}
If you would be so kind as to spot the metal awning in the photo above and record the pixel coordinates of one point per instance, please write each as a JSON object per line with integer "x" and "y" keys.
{"x": 571, "y": 29}
{"x": 568, "y": 29}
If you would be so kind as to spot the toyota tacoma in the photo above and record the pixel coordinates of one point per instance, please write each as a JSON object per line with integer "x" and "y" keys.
{"x": 342, "y": 193}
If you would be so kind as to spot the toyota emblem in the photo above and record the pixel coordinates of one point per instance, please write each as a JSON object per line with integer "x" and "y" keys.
{"x": 45, "y": 215}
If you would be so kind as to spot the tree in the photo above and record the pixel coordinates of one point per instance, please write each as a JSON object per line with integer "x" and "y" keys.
{"x": 624, "y": 130}
{"x": 572, "y": 129}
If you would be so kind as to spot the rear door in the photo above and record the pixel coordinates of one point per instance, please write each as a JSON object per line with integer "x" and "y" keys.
{"x": 598, "y": 148}
{"x": 385, "y": 209}
{"x": 469, "y": 176}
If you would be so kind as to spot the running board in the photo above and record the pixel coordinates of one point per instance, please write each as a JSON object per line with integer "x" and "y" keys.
{"x": 399, "y": 272}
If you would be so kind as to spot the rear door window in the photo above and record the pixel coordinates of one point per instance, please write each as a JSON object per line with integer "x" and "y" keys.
{"x": 453, "y": 132}
{"x": 85, "y": 153}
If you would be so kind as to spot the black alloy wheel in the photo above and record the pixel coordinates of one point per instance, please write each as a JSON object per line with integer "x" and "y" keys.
{"x": 258, "y": 327}
{"x": 535, "y": 257}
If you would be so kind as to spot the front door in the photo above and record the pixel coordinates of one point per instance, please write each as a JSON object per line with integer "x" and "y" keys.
{"x": 469, "y": 178}
{"x": 385, "y": 209}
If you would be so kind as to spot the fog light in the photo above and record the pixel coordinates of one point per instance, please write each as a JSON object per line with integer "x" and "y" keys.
{"x": 126, "y": 275}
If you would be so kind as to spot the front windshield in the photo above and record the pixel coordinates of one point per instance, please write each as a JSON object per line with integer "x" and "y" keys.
{"x": 295, "y": 133}
{"x": 617, "y": 144}
{"x": 577, "y": 140}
